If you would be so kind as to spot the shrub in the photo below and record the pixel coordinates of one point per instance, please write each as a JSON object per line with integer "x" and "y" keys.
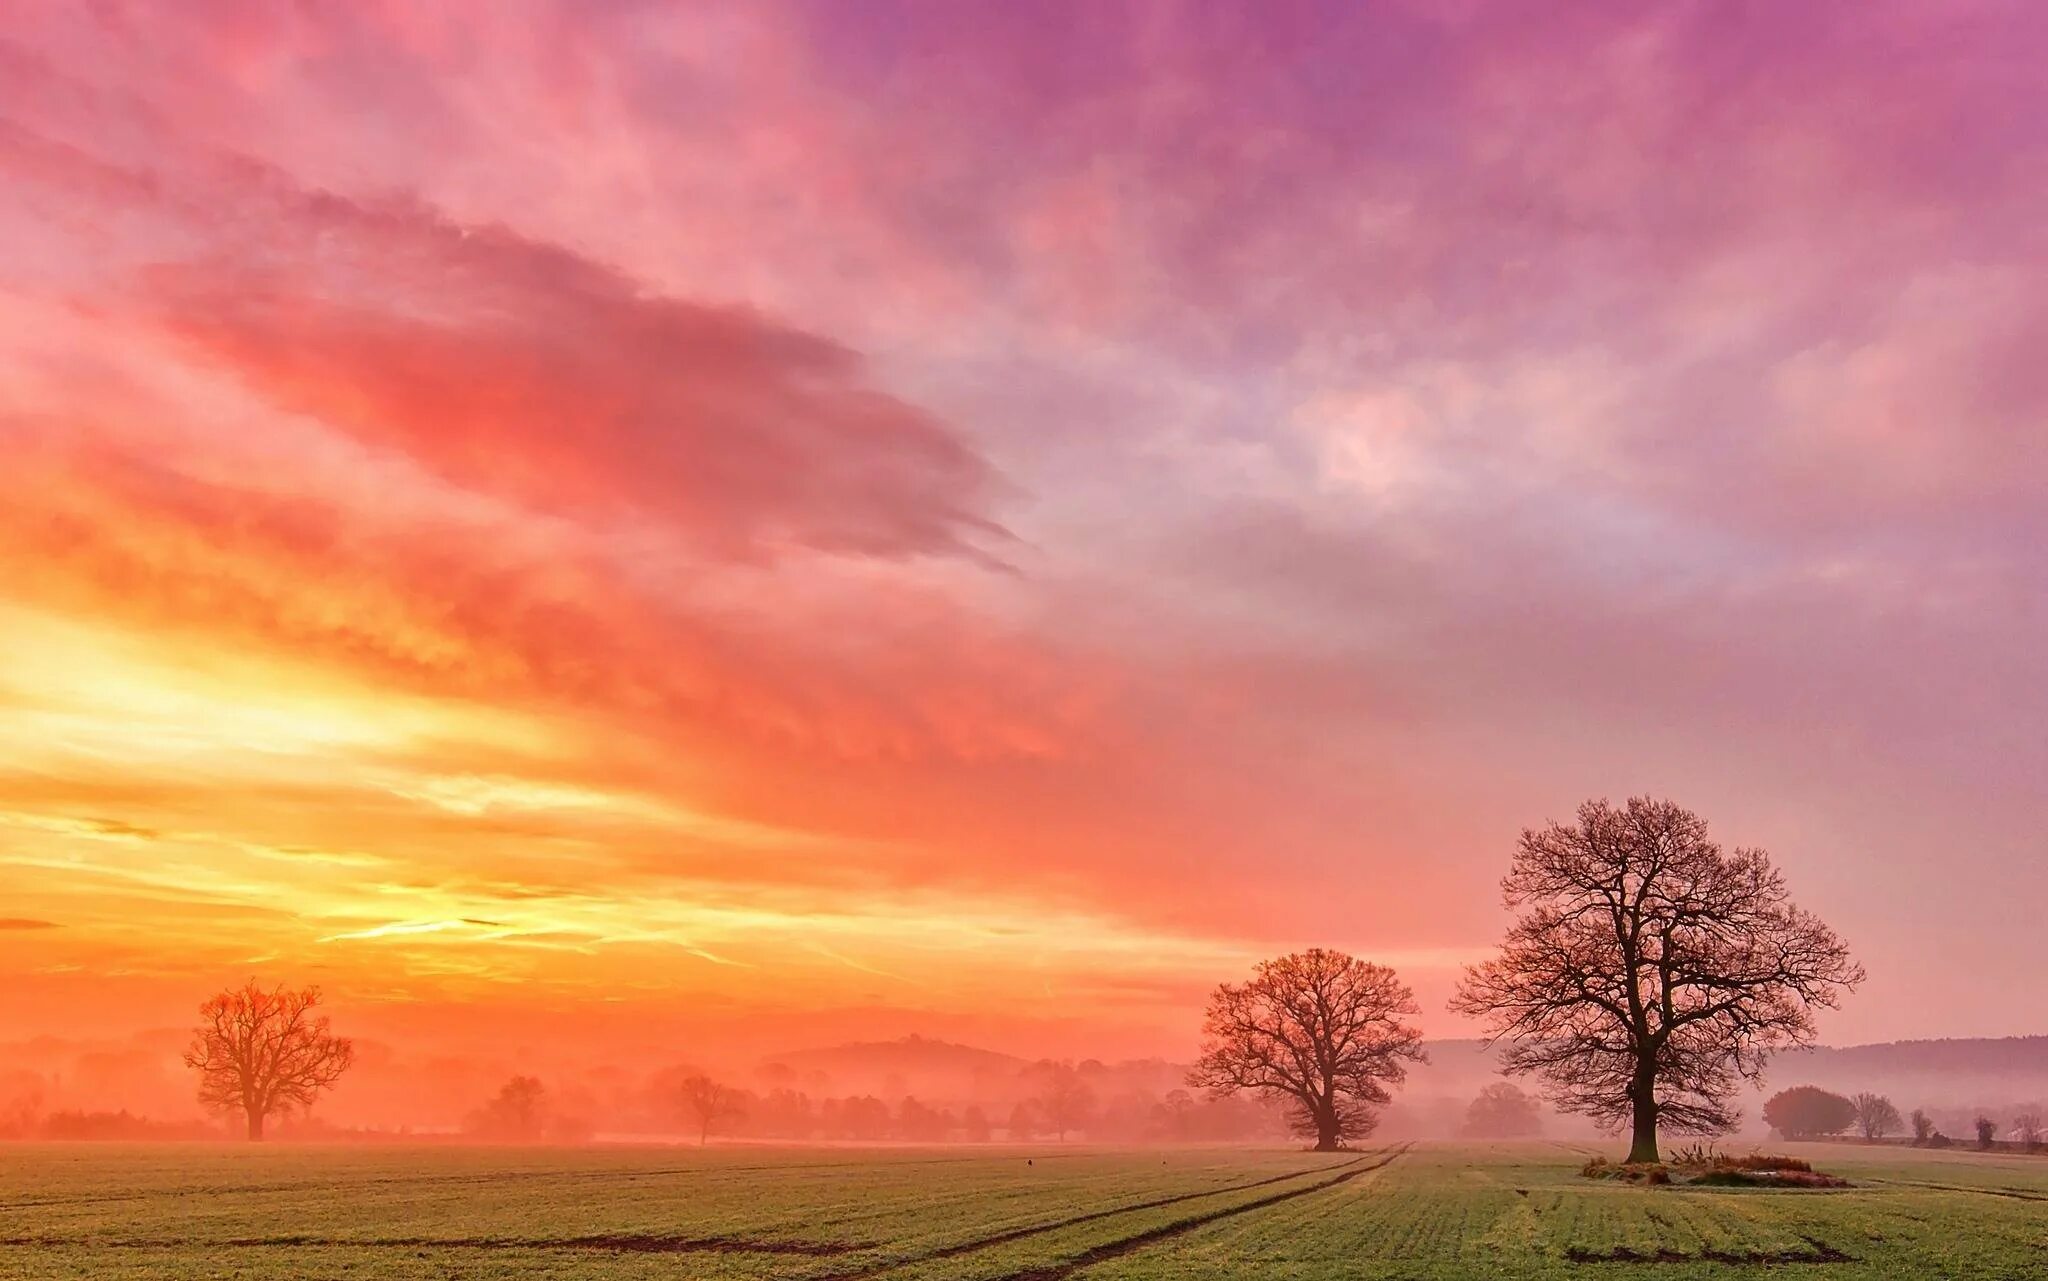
{"x": 1647, "y": 1172}
{"x": 1940, "y": 1140}
{"x": 1758, "y": 1161}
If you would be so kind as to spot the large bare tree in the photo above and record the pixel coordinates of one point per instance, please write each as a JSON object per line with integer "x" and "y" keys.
{"x": 260, "y": 1053}
{"x": 1649, "y": 972}
{"x": 1318, "y": 1029}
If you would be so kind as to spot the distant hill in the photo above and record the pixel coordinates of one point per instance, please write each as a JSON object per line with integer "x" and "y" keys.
{"x": 890, "y": 1069}
{"x": 1953, "y": 1080}
{"x": 1982, "y": 1055}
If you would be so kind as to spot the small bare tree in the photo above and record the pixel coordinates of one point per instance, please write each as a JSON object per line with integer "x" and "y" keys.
{"x": 2027, "y": 1130}
{"x": 1875, "y": 1116}
{"x": 1319, "y": 1029}
{"x": 1650, "y": 973}
{"x": 260, "y": 1053}
{"x": 707, "y": 1103}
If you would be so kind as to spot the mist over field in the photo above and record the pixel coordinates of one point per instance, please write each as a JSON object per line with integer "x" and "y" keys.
{"x": 390, "y": 1094}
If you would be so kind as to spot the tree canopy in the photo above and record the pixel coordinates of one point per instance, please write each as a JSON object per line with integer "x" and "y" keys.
{"x": 1808, "y": 1112}
{"x": 260, "y": 1053}
{"x": 1649, "y": 972}
{"x": 1319, "y": 1029}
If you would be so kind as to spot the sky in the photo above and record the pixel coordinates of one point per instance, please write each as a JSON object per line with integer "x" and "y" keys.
{"x": 752, "y": 526}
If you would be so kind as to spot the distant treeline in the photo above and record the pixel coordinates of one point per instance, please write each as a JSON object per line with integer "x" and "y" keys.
{"x": 102, "y": 1125}
{"x": 1809, "y": 1112}
{"x": 1063, "y": 1105}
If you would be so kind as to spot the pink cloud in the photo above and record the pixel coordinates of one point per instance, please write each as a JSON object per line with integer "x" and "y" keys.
{"x": 1402, "y": 422}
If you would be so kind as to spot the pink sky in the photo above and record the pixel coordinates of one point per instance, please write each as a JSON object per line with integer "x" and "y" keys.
{"x": 792, "y": 521}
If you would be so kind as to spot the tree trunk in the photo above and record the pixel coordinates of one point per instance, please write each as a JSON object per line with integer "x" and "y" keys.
{"x": 1326, "y": 1131}
{"x": 1643, "y": 1150}
{"x": 255, "y": 1116}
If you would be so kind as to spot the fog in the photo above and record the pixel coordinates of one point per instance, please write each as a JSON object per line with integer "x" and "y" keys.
{"x": 908, "y": 1090}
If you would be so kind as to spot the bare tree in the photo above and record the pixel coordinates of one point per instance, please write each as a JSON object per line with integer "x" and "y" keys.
{"x": 1649, "y": 973}
{"x": 1318, "y": 1029}
{"x": 260, "y": 1053}
{"x": 1064, "y": 1100}
{"x": 2027, "y": 1130}
{"x": 707, "y": 1103}
{"x": 1987, "y": 1132}
{"x": 1875, "y": 1116}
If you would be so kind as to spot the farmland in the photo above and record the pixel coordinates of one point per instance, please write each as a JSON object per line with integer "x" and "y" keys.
{"x": 1039, "y": 1214}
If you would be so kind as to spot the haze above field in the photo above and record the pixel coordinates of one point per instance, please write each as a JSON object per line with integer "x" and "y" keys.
{"x": 690, "y": 532}
{"x": 407, "y": 1086}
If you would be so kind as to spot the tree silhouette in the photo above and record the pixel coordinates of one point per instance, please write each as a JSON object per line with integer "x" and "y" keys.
{"x": 1025, "y": 1122}
{"x": 1319, "y": 1029}
{"x": 517, "y": 1111}
{"x": 1923, "y": 1127}
{"x": 1064, "y": 1100}
{"x": 2027, "y": 1129}
{"x": 1808, "y": 1112}
{"x": 1875, "y": 1116}
{"x": 1502, "y": 1112}
{"x": 1649, "y": 973}
{"x": 974, "y": 1124}
{"x": 707, "y": 1103}
{"x": 259, "y": 1053}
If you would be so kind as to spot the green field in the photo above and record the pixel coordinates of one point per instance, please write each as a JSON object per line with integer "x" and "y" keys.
{"x": 847, "y": 1214}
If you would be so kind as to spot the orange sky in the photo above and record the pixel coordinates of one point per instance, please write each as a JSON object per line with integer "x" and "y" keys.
{"x": 769, "y": 524}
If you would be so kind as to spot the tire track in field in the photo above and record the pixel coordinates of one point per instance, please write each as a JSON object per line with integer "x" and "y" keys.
{"x": 2016, "y": 1194}
{"x": 615, "y": 1243}
{"x": 490, "y": 1177}
{"x": 1039, "y": 1229}
{"x": 1181, "y": 1227}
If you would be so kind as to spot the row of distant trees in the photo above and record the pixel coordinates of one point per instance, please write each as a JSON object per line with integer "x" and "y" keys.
{"x": 1063, "y": 1104}
{"x": 262, "y": 1053}
{"x": 1809, "y": 1112}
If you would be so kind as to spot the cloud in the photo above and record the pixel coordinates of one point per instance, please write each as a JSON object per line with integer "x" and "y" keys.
{"x": 1399, "y": 422}
{"x": 25, "y": 923}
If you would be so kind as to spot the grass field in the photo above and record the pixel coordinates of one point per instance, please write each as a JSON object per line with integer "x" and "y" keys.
{"x": 833, "y": 1214}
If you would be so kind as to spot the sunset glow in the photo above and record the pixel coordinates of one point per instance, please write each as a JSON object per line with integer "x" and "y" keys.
{"x": 747, "y": 526}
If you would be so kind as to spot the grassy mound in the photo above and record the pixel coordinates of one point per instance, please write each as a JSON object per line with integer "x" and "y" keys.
{"x": 1626, "y": 1172}
{"x": 1703, "y": 1167}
